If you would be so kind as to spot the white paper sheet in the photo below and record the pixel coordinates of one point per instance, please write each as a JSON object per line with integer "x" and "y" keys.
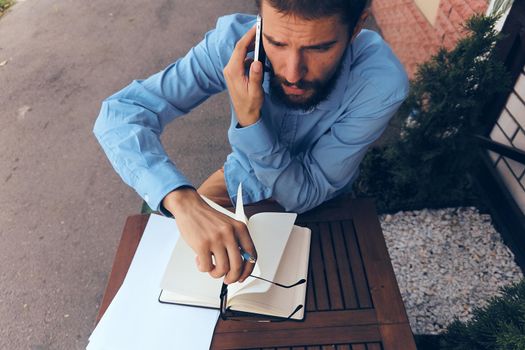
{"x": 135, "y": 319}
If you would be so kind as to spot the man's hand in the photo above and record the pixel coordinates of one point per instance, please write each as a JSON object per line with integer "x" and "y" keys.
{"x": 210, "y": 233}
{"x": 245, "y": 91}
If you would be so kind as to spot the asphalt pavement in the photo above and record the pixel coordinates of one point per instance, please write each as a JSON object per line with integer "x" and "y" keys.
{"x": 62, "y": 207}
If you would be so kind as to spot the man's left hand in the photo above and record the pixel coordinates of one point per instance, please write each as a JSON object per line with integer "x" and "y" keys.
{"x": 245, "y": 91}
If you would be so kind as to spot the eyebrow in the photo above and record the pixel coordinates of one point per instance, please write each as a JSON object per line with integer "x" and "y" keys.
{"x": 315, "y": 46}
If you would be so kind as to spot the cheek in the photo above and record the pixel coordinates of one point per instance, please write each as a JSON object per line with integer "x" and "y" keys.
{"x": 320, "y": 67}
{"x": 277, "y": 59}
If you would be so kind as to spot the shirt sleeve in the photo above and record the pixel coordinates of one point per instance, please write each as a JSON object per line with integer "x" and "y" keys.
{"x": 131, "y": 121}
{"x": 319, "y": 173}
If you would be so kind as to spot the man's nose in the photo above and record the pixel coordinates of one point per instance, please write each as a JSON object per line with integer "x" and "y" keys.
{"x": 295, "y": 68}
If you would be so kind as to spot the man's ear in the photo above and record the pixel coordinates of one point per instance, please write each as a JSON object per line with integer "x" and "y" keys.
{"x": 360, "y": 23}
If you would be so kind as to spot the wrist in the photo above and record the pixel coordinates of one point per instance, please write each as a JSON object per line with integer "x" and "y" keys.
{"x": 177, "y": 199}
{"x": 248, "y": 120}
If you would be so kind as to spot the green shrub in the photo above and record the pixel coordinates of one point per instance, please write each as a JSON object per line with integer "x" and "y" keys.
{"x": 498, "y": 326}
{"x": 429, "y": 165}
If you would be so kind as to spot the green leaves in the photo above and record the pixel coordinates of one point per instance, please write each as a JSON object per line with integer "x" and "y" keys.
{"x": 500, "y": 325}
{"x": 447, "y": 104}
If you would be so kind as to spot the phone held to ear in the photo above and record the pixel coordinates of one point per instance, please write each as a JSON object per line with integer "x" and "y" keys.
{"x": 259, "y": 54}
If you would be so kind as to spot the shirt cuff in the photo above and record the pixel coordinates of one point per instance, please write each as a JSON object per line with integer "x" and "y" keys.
{"x": 155, "y": 183}
{"x": 252, "y": 139}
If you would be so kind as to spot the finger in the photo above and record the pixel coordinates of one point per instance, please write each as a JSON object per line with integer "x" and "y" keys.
{"x": 241, "y": 49}
{"x": 251, "y": 46}
{"x": 204, "y": 263}
{"x": 222, "y": 266}
{"x": 247, "y": 270}
{"x": 236, "y": 264}
{"x": 248, "y": 62}
{"x": 255, "y": 78}
{"x": 246, "y": 243}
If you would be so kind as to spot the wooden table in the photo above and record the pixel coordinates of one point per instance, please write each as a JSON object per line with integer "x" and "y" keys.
{"x": 353, "y": 301}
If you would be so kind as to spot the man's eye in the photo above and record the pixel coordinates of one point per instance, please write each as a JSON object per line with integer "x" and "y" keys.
{"x": 321, "y": 48}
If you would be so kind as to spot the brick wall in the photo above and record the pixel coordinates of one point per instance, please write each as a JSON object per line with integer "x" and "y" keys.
{"x": 412, "y": 37}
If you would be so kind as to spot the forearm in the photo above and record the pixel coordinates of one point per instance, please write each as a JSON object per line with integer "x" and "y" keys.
{"x": 128, "y": 129}
{"x": 297, "y": 183}
{"x": 131, "y": 121}
{"x": 323, "y": 169}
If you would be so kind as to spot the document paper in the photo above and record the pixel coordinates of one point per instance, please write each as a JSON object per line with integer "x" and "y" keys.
{"x": 135, "y": 319}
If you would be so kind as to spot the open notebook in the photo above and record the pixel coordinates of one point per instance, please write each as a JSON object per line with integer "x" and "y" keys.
{"x": 283, "y": 253}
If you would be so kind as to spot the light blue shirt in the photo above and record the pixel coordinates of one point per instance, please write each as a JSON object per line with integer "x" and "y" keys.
{"x": 299, "y": 158}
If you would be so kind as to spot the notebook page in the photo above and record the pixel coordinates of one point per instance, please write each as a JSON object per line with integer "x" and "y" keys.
{"x": 282, "y": 301}
{"x": 270, "y": 233}
{"x": 184, "y": 278}
{"x": 181, "y": 268}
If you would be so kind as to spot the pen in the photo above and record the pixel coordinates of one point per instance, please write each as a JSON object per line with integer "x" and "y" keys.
{"x": 246, "y": 256}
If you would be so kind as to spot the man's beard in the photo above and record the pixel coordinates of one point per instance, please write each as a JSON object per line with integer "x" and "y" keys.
{"x": 320, "y": 89}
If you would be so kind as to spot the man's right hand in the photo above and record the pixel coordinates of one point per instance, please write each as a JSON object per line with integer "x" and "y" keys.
{"x": 211, "y": 233}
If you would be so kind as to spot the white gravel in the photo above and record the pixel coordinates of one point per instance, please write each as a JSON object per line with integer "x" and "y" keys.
{"x": 446, "y": 261}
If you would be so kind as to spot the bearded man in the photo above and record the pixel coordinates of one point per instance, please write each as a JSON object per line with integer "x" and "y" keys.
{"x": 301, "y": 121}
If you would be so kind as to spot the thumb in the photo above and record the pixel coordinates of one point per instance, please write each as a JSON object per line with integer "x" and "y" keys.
{"x": 256, "y": 75}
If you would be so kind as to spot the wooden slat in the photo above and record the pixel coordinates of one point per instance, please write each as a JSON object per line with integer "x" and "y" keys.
{"x": 343, "y": 347}
{"x": 383, "y": 286}
{"x": 330, "y": 265}
{"x": 356, "y": 263}
{"x": 343, "y": 265}
{"x": 337, "y": 209}
{"x": 318, "y": 272}
{"x": 382, "y": 283}
{"x": 358, "y": 347}
{"x": 377, "y": 346}
{"x": 397, "y": 336}
{"x": 129, "y": 241}
{"x": 313, "y": 336}
{"x": 310, "y": 290}
{"x": 321, "y": 319}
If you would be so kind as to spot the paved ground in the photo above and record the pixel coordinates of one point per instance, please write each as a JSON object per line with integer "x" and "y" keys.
{"x": 62, "y": 207}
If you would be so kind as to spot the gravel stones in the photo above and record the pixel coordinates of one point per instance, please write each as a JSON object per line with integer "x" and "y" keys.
{"x": 446, "y": 262}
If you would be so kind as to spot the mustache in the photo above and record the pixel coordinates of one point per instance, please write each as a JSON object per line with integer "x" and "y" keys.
{"x": 301, "y": 84}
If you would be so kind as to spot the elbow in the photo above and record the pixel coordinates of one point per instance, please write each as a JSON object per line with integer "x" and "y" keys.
{"x": 310, "y": 197}
{"x": 300, "y": 203}
{"x": 102, "y": 124}
{"x": 97, "y": 129}
{"x": 301, "y": 207}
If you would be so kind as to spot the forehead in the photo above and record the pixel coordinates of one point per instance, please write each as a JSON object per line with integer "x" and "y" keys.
{"x": 288, "y": 27}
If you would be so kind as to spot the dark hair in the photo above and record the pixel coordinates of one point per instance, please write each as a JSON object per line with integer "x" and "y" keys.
{"x": 349, "y": 10}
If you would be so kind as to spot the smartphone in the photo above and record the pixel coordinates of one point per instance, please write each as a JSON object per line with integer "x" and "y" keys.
{"x": 259, "y": 54}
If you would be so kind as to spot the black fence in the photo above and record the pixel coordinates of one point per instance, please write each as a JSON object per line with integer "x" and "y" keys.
{"x": 508, "y": 216}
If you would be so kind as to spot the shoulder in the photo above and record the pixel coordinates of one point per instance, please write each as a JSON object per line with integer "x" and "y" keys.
{"x": 231, "y": 28}
{"x": 374, "y": 68}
